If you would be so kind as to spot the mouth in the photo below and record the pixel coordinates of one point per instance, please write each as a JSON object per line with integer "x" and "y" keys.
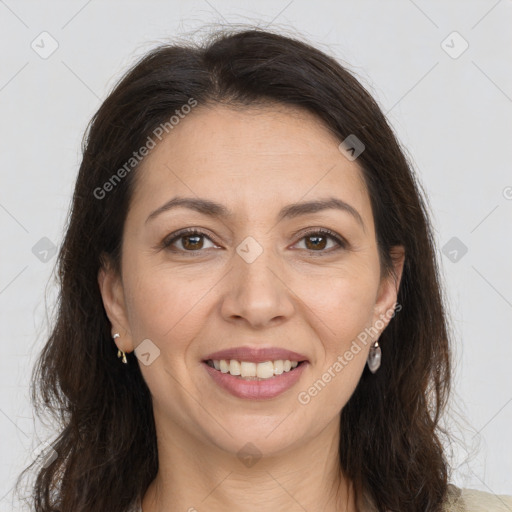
{"x": 255, "y": 380}
{"x": 254, "y": 371}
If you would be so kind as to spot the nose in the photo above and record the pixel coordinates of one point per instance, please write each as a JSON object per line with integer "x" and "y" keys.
{"x": 256, "y": 293}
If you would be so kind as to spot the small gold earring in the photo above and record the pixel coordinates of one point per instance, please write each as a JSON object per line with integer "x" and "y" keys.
{"x": 119, "y": 351}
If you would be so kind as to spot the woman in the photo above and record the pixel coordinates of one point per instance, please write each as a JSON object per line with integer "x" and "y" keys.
{"x": 248, "y": 238}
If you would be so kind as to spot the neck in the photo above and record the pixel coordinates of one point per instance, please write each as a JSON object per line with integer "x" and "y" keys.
{"x": 195, "y": 476}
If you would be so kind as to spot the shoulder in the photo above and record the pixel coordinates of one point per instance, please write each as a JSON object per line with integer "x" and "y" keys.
{"x": 458, "y": 500}
{"x": 471, "y": 500}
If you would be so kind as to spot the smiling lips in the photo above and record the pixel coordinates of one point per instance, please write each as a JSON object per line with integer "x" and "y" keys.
{"x": 261, "y": 363}
{"x": 255, "y": 373}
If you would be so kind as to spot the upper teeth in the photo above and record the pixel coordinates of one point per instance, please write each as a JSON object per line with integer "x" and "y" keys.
{"x": 263, "y": 370}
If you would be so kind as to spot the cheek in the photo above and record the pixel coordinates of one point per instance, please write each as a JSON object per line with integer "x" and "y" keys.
{"x": 343, "y": 301}
{"x": 343, "y": 312}
{"x": 150, "y": 307}
{"x": 163, "y": 304}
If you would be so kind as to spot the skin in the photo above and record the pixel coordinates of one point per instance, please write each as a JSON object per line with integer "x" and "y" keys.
{"x": 295, "y": 295}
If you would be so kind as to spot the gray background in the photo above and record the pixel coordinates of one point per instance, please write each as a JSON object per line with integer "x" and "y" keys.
{"x": 451, "y": 109}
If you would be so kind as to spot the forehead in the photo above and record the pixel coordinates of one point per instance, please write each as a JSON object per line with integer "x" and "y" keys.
{"x": 248, "y": 157}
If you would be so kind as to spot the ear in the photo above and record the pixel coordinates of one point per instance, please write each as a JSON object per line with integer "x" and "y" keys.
{"x": 112, "y": 293}
{"x": 388, "y": 288}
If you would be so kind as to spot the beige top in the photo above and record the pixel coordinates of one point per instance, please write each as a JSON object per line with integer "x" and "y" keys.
{"x": 458, "y": 500}
{"x": 466, "y": 500}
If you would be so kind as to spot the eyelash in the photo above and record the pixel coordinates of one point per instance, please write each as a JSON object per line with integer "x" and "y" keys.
{"x": 194, "y": 232}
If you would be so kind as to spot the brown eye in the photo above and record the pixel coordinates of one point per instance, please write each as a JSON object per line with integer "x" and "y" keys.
{"x": 190, "y": 241}
{"x": 317, "y": 241}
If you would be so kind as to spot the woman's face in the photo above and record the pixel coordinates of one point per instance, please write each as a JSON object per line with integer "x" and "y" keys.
{"x": 258, "y": 277}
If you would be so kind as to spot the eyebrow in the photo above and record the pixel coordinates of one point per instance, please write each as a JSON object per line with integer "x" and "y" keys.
{"x": 214, "y": 209}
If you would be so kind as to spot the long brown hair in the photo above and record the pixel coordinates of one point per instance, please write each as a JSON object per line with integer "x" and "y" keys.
{"x": 106, "y": 450}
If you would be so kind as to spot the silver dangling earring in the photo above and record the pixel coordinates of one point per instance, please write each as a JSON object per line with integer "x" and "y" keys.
{"x": 119, "y": 351}
{"x": 374, "y": 357}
